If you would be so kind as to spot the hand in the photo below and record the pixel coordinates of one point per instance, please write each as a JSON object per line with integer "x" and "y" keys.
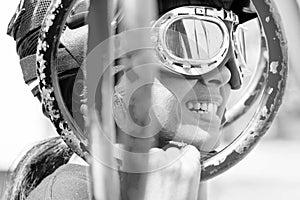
{"x": 175, "y": 175}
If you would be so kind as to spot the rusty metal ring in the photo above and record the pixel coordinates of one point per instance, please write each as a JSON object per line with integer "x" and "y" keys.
{"x": 211, "y": 167}
{"x": 254, "y": 90}
{"x": 52, "y": 101}
{"x": 271, "y": 99}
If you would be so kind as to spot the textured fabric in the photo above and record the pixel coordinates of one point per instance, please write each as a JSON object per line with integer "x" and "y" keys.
{"x": 25, "y": 25}
{"x": 71, "y": 41}
{"x": 28, "y": 17}
{"x": 69, "y": 182}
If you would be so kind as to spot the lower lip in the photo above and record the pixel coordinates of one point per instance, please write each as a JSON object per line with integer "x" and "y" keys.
{"x": 208, "y": 123}
{"x": 205, "y": 121}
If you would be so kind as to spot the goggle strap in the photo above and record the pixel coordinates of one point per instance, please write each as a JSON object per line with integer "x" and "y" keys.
{"x": 222, "y": 14}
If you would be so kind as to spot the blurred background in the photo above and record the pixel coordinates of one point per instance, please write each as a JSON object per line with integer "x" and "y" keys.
{"x": 270, "y": 171}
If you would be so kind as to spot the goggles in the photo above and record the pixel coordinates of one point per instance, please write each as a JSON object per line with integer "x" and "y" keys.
{"x": 195, "y": 40}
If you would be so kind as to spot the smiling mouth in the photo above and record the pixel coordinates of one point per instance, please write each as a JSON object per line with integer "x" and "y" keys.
{"x": 202, "y": 107}
{"x": 204, "y": 114}
{"x": 205, "y": 110}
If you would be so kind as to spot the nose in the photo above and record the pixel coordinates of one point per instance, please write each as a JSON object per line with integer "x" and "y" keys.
{"x": 218, "y": 77}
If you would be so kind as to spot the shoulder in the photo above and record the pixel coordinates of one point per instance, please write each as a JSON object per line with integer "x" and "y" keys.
{"x": 68, "y": 182}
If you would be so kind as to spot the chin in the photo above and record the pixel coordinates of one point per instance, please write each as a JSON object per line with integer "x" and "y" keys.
{"x": 204, "y": 141}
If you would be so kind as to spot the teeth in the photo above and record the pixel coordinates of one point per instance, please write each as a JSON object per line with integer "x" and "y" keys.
{"x": 190, "y": 105}
{"x": 202, "y": 107}
{"x": 215, "y": 108}
{"x": 210, "y": 107}
{"x": 197, "y": 106}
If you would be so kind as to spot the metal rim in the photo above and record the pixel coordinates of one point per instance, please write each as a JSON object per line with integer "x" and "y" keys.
{"x": 254, "y": 90}
{"x": 232, "y": 154}
{"x": 271, "y": 99}
{"x": 48, "y": 41}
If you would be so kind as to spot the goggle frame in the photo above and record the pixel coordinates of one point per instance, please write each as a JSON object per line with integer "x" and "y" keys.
{"x": 192, "y": 67}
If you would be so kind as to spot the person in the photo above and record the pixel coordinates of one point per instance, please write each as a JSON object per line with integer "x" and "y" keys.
{"x": 185, "y": 105}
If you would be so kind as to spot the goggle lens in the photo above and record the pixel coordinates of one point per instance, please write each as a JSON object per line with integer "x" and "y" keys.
{"x": 194, "y": 39}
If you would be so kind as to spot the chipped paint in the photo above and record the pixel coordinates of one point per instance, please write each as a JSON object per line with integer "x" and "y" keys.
{"x": 45, "y": 47}
{"x": 273, "y": 67}
{"x": 242, "y": 148}
{"x": 268, "y": 19}
{"x": 271, "y": 100}
{"x": 253, "y": 91}
{"x": 270, "y": 91}
{"x": 218, "y": 162}
{"x": 264, "y": 112}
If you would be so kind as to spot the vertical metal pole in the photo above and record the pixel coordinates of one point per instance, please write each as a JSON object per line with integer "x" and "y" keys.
{"x": 104, "y": 179}
{"x": 139, "y": 15}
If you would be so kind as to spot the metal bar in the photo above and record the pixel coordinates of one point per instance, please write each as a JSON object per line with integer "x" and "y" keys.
{"x": 104, "y": 179}
{"x": 137, "y": 19}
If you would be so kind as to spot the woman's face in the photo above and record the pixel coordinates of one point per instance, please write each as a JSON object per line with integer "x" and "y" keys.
{"x": 176, "y": 108}
{"x": 171, "y": 105}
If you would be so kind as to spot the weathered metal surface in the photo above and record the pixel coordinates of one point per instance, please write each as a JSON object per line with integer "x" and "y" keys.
{"x": 271, "y": 100}
{"x": 100, "y": 127}
{"x": 255, "y": 88}
{"x": 47, "y": 74}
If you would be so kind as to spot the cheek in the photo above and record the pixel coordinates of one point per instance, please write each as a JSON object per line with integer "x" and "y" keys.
{"x": 165, "y": 107}
{"x": 136, "y": 100}
{"x": 225, "y": 93}
{"x": 204, "y": 140}
{"x": 179, "y": 86}
{"x": 139, "y": 105}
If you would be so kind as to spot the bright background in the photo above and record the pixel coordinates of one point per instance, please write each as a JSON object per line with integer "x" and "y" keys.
{"x": 22, "y": 122}
{"x": 271, "y": 171}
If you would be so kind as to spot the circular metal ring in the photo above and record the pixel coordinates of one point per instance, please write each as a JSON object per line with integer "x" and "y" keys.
{"x": 51, "y": 97}
{"x": 271, "y": 99}
{"x": 254, "y": 90}
{"x": 211, "y": 167}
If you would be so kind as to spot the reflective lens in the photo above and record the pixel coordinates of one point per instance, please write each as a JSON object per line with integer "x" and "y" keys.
{"x": 194, "y": 39}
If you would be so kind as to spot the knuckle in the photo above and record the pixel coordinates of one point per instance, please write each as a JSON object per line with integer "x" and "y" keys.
{"x": 155, "y": 150}
{"x": 191, "y": 153}
{"x": 172, "y": 154}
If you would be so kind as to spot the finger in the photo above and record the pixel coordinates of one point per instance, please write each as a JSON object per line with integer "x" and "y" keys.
{"x": 190, "y": 160}
{"x": 191, "y": 170}
{"x": 191, "y": 153}
{"x": 155, "y": 150}
{"x": 172, "y": 154}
